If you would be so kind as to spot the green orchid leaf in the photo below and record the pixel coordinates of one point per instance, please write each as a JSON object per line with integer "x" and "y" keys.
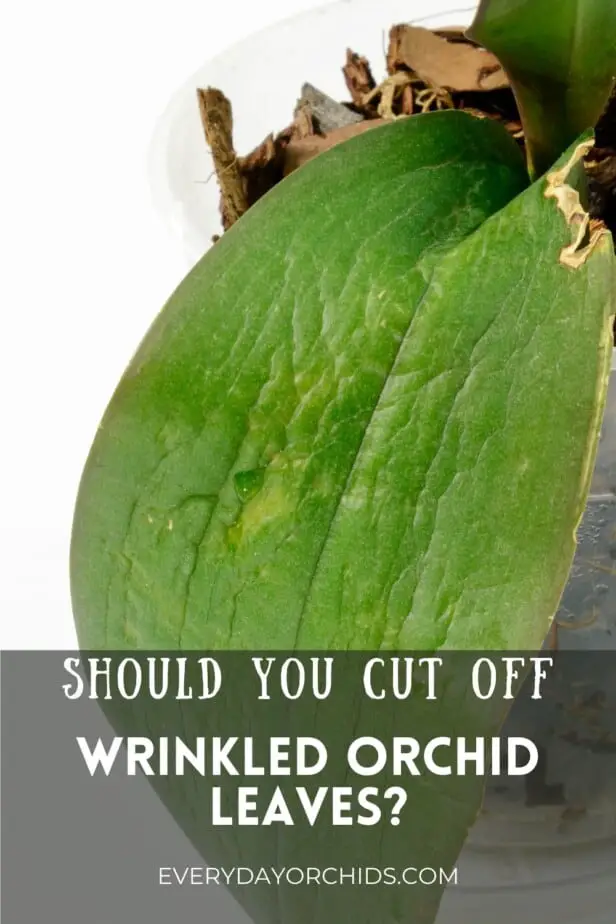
{"x": 367, "y": 419}
{"x": 560, "y": 56}
{"x": 360, "y": 422}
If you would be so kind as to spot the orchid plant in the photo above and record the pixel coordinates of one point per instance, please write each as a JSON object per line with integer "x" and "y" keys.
{"x": 368, "y": 417}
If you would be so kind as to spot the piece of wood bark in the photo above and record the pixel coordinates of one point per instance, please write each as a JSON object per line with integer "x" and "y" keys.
{"x": 453, "y": 65}
{"x": 360, "y": 82}
{"x": 300, "y": 151}
{"x": 303, "y": 124}
{"x": 263, "y": 167}
{"x": 217, "y": 121}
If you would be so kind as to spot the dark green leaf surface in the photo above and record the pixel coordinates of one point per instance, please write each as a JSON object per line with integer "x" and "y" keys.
{"x": 561, "y": 58}
{"x": 365, "y": 419}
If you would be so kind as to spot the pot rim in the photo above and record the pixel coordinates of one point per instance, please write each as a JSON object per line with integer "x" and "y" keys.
{"x": 178, "y": 163}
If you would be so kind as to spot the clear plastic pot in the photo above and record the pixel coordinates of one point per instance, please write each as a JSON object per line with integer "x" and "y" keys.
{"x": 270, "y": 67}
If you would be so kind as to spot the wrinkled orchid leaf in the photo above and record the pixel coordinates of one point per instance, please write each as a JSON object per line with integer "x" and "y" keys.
{"x": 560, "y": 56}
{"x": 359, "y": 424}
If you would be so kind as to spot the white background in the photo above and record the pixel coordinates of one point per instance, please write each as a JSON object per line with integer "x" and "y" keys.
{"x": 86, "y": 262}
